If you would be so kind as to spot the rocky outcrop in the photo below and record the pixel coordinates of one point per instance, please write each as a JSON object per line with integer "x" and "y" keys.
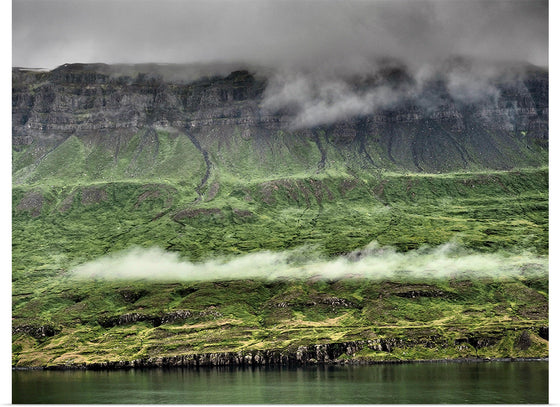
{"x": 420, "y": 293}
{"x": 524, "y": 341}
{"x": 543, "y": 332}
{"x": 36, "y": 331}
{"x": 126, "y": 319}
{"x": 193, "y": 213}
{"x": 302, "y": 355}
{"x": 155, "y": 320}
{"x": 93, "y": 195}
{"x": 75, "y": 98}
{"x": 32, "y": 202}
{"x": 86, "y": 101}
{"x": 328, "y": 353}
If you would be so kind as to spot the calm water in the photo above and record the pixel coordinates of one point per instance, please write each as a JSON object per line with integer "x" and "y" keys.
{"x": 457, "y": 383}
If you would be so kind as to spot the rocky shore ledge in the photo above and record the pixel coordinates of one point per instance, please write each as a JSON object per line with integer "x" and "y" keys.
{"x": 333, "y": 353}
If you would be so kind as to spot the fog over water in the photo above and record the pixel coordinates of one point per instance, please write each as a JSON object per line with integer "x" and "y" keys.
{"x": 373, "y": 262}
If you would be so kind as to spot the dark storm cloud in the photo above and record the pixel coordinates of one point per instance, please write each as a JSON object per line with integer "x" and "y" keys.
{"x": 316, "y": 50}
{"x": 329, "y": 34}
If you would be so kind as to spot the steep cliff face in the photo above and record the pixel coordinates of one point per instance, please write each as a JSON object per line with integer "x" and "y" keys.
{"x": 221, "y": 120}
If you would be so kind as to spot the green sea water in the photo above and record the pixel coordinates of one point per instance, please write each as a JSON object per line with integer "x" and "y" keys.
{"x": 433, "y": 383}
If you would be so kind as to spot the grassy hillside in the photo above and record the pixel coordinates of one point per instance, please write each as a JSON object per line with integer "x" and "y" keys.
{"x": 93, "y": 322}
{"x": 155, "y": 218}
{"x": 62, "y": 222}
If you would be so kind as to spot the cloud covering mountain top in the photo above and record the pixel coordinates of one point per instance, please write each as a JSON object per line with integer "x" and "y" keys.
{"x": 327, "y": 35}
{"x": 313, "y": 52}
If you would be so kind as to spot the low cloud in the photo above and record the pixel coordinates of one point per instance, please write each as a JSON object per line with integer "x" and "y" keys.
{"x": 315, "y": 100}
{"x": 373, "y": 262}
{"x": 322, "y": 97}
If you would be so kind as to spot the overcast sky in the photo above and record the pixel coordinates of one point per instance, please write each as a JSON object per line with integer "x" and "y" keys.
{"x": 48, "y": 33}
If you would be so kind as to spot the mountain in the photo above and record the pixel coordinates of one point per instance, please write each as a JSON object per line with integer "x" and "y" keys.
{"x": 167, "y": 217}
{"x": 118, "y": 126}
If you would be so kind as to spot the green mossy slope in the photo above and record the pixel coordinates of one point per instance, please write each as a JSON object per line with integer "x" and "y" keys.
{"x": 60, "y": 320}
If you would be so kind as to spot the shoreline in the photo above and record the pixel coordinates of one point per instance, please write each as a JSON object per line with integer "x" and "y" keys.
{"x": 160, "y": 363}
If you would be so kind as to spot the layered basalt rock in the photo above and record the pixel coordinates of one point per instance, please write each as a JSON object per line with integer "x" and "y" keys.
{"x": 87, "y": 101}
{"x": 155, "y": 320}
{"x": 328, "y": 353}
